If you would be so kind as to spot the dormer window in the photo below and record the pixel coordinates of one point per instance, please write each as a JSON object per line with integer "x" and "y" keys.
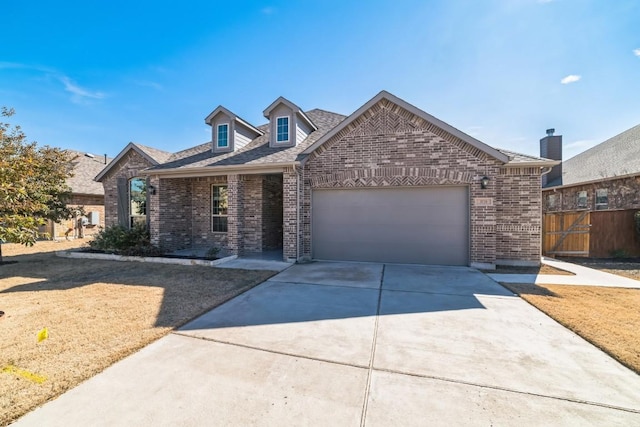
{"x": 223, "y": 135}
{"x": 288, "y": 124}
{"x": 229, "y": 132}
{"x": 282, "y": 129}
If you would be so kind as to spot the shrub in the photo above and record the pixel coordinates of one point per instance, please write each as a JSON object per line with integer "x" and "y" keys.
{"x": 124, "y": 241}
{"x": 619, "y": 253}
{"x": 212, "y": 253}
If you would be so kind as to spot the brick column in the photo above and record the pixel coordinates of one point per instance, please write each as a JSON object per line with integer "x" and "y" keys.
{"x": 483, "y": 224}
{"x": 235, "y": 191}
{"x": 153, "y": 210}
{"x": 290, "y": 238}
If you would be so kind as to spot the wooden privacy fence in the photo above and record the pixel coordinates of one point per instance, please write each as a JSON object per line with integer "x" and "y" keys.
{"x": 598, "y": 234}
{"x": 566, "y": 234}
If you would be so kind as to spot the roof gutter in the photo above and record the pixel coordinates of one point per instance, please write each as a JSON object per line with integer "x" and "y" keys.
{"x": 549, "y": 163}
{"x": 220, "y": 170}
{"x": 593, "y": 181}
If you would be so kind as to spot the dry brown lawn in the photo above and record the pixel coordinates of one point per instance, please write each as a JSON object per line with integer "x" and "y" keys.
{"x": 96, "y": 313}
{"x": 607, "y": 317}
{"x": 543, "y": 269}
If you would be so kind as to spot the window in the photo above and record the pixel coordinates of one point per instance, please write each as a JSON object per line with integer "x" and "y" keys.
{"x": 282, "y": 131}
{"x": 552, "y": 202}
{"x": 223, "y": 135}
{"x": 137, "y": 202}
{"x": 602, "y": 199}
{"x": 582, "y": 199}
{"x": 219, "y": 203}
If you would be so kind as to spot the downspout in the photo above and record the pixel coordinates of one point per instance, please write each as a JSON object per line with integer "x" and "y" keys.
{"x": 544, "y": 172}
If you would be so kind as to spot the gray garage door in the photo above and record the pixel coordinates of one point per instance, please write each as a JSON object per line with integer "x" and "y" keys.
{"x": 417, "y": 225}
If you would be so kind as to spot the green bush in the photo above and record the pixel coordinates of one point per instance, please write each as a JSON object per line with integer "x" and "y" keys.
{"x": 125, "y": 241}
{"x": 212, "y": 253}
{"x": 619, "y": 253}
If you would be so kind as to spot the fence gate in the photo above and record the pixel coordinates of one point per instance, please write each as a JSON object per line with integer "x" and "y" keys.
{"x": 566, "y": 233}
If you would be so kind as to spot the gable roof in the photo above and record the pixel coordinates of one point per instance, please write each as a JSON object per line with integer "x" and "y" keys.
{"x": 416, "y": 111}
{"x": 153, "y": 155}
{"x": 291, "y": 105}
{"x": 255, "y": 155}
{"x": 259, "y": 157}
{"x": 233, "y": 116}
{"x": 617, "y": 156}
{"x": 85, "y": 168}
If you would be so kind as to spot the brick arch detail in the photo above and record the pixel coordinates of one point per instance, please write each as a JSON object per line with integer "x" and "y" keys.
{"x": 391, "y": 177}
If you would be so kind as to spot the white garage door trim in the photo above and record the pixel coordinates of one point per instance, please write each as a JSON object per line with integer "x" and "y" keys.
{"x": 415, "y": 225}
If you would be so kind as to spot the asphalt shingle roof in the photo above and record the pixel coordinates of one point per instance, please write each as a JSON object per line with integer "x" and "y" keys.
{"x": 257, "y": 152}
{"x": 159, "y": 156}
{"x": 521, "y": 158}
{"x": 85, "y": 168}
{"x": 616, "y": 156}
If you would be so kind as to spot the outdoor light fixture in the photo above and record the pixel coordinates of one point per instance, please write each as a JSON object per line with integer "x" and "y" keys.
{"x": 152, "y": 189}
{"x": 484, "y": 181}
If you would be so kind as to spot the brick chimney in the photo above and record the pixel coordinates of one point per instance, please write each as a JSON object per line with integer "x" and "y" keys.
{"x": 551, "y": 148}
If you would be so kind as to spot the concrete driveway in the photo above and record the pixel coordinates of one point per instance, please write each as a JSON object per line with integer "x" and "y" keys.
{"x": 347, "y": 344}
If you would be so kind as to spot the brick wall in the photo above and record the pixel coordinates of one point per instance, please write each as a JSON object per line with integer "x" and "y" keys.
{"x": 174, "y": 211}
{"x": 272, "y": 212}
{"x": 201, "y": 213}
{"x": 389, "y": 146}
{"x": 90, "y": 203}
{"x": 128, "y": 167}
{"x": 69, "y": 228}
{"x": 180, "y": 213}
{"x": 518, "y": 206}
{"x": 236, "y": 214}
{"x": 291, "y": 238}
{"x": 623, "y": 193}
{"x": 252, "y": 213}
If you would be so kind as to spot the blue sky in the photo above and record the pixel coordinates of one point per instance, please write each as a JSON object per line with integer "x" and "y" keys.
{"x": 92, "y": 76}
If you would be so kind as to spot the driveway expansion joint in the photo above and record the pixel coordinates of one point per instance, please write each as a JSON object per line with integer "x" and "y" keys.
{"x": 264, "y": 350}
{"x": 320, "y": 284}
{"x": 451, "y": 294}
{"x": 373, "y": 351}
{"x": 509, "y": 390}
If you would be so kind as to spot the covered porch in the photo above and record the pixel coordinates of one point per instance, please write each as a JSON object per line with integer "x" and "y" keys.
{"x": 239, "y": 214}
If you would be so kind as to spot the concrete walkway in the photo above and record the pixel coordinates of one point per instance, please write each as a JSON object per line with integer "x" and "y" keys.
{"x": 582, "y": 276}
{"x": 350, "y": 344}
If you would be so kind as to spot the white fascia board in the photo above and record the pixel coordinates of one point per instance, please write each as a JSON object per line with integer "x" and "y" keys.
{"x": 220, "y": 170}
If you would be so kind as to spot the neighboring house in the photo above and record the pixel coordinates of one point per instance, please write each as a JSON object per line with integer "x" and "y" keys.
{"x": 589, "y": 200}
{"x": 389, "y": 183}
{"x": 85, "y": 193}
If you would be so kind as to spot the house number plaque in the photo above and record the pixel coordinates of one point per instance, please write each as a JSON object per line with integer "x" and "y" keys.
{"x": 483, "y": 201}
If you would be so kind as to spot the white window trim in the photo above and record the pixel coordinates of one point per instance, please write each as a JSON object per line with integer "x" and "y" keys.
{"x": 129, "y": 202}
{"x": 218, "y": 135}
{"x": 213, "y": 186}
{"x": 586, "y": 200}
{"x": 604, "y": 205}
{"x": 288, "y": 130}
